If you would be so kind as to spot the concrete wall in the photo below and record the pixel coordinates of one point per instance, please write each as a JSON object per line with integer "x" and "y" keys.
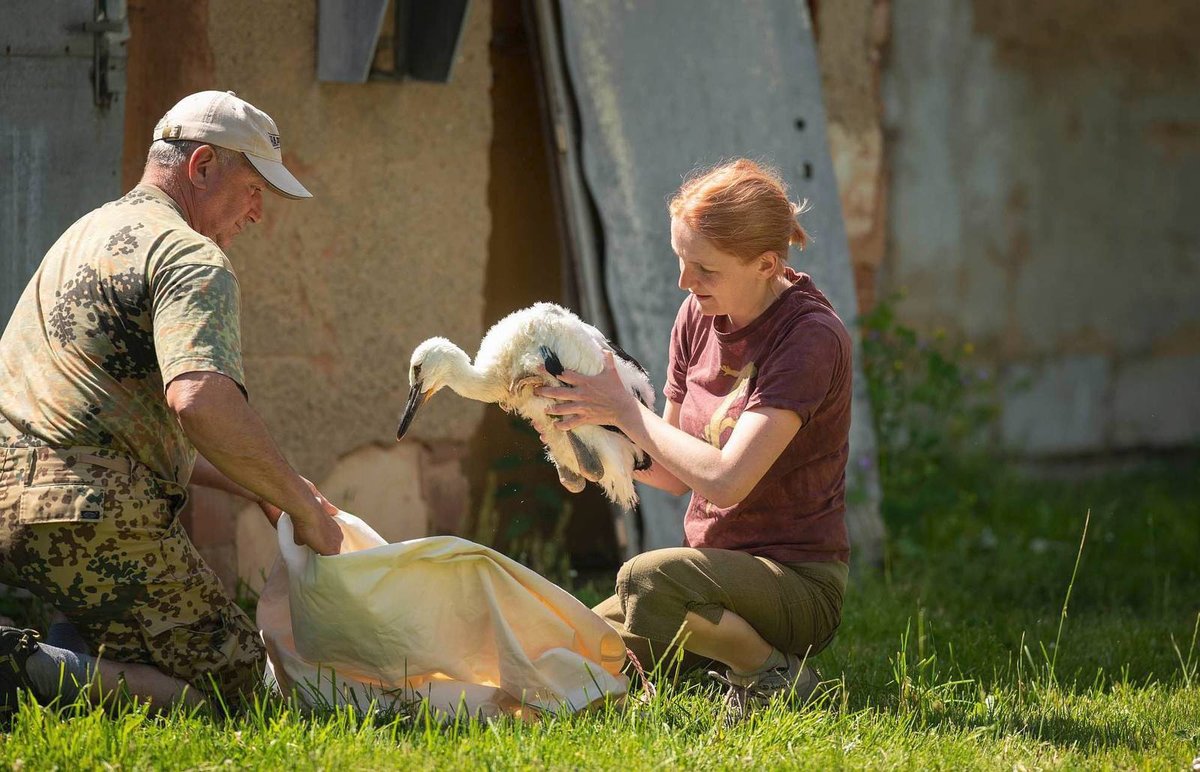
{"x": 338, "y": 290}
{"x": 1045, "y": 158}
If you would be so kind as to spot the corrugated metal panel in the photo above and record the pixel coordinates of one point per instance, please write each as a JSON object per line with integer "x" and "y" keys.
{"x": 424, "y": 38}
{"x": 662, "y": 88}
{"x": 60, "y": 154}
{"x": 347, "y": 31}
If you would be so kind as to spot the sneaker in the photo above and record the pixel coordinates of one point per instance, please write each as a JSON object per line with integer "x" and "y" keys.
{"x": 795, "y": 681}
{"x": 16, "y": 646}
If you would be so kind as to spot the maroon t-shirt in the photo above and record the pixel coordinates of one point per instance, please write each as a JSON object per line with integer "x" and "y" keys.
{"x": 795, "y": 356}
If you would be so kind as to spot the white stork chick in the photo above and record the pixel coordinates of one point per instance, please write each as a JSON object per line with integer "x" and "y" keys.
{"x": 508, "y": 367}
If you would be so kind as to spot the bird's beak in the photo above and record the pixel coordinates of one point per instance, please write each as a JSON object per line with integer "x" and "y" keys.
{"x": 416, "y": 398}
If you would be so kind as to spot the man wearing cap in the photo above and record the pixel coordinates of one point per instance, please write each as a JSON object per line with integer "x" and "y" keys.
{"x": 121, "y": 382}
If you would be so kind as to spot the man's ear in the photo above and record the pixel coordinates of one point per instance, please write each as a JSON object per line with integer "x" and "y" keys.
{"x": 201, "y": 166}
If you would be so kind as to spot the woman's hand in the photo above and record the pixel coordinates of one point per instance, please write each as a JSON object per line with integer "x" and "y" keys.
{"x": 600, "y": 399}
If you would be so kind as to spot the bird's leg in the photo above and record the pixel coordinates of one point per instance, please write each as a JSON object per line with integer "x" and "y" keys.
{"x": 556, "y": 449}
{"x": 589, "y": 463}
{"x": 569, "y": 480}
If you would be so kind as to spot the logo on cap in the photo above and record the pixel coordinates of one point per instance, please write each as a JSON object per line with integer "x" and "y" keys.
{"x": 274, "y": 140}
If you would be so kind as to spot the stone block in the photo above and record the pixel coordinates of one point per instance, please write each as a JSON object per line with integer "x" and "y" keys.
{"x": 257, "y": 547}
{"x": 209, "y": 517}
{"x": 1058, "y": 407}
{"x": 1156, "y": 402}
{"x": 445, "y": 488}
{"x": 383, "y": 487}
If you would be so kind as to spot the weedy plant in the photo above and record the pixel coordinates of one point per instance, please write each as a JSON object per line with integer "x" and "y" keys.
{"x": 934, "y": 403}
{"x": 524, "y": 515}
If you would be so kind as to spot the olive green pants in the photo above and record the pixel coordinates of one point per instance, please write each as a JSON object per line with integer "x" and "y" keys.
{"x": 796, "y": 607}
{"x": 97, "y": 536}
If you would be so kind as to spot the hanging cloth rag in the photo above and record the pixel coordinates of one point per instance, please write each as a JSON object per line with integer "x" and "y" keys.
{"x": 439, "y": 619}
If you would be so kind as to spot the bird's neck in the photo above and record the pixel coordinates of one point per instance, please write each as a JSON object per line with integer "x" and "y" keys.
{"x": 469, "y": 382}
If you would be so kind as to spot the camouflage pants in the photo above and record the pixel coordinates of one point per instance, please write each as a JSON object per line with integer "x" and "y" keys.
{"x": 96, "y": 535}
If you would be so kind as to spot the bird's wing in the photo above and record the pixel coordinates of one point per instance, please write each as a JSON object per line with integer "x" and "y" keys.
{"x": 636, "y": 377}
{"x": 553, "y": 364}
{"x": 623, "y": 354}
{"x": 618, "y": 352}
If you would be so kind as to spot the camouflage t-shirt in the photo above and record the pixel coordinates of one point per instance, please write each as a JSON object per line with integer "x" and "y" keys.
{"x": 127, "y": 299}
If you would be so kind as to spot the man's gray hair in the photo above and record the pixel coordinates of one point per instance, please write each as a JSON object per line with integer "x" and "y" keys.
{"x": 170, "y": 153}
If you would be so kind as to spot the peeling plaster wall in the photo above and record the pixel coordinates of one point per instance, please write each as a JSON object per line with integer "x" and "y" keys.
{"x": 338, "y": 290}
{"x": 1044, "y": 163}
{"x": 851, "y": 36}
{"x": 392, "y": 249}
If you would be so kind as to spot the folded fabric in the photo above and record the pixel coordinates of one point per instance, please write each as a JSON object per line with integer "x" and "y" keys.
{"x": 440, "y": 619}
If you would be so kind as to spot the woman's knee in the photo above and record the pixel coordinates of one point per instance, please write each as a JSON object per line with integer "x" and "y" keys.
{"x": 652, "y": 570}
{"x": 631, "y": 576}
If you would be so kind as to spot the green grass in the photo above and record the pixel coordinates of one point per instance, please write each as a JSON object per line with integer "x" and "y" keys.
{"x": 945, "y": 660}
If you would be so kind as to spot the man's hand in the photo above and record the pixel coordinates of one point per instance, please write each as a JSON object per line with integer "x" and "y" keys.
{"x": 322, "y": 533}
{"x": 312, "y": 532}
{"x": 330, "y": 509}
{"x": 271, "y": 511}
{"x": 226, "y": 431}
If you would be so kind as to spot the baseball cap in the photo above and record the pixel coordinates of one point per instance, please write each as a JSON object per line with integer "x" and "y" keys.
{"x": 221, "y": 118}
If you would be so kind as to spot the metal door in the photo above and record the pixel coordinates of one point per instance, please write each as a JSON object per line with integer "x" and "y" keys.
{"x": 62, "y": 116}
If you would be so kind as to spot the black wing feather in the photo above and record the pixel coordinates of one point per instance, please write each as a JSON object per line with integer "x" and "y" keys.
{"x": 623, "y": 354}
{"x": 553, "y": 364}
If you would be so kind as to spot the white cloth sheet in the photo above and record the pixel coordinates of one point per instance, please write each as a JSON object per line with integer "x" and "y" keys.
{"x": 441, "y": 619}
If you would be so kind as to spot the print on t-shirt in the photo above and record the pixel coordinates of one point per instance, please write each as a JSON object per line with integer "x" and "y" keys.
{"x": 721, "y": 419}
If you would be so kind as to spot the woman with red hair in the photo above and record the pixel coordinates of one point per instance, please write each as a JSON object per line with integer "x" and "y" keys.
{"x": 756, "y": 427}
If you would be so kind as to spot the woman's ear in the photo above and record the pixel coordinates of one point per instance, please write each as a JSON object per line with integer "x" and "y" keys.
{"x": 769, "y": 264}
